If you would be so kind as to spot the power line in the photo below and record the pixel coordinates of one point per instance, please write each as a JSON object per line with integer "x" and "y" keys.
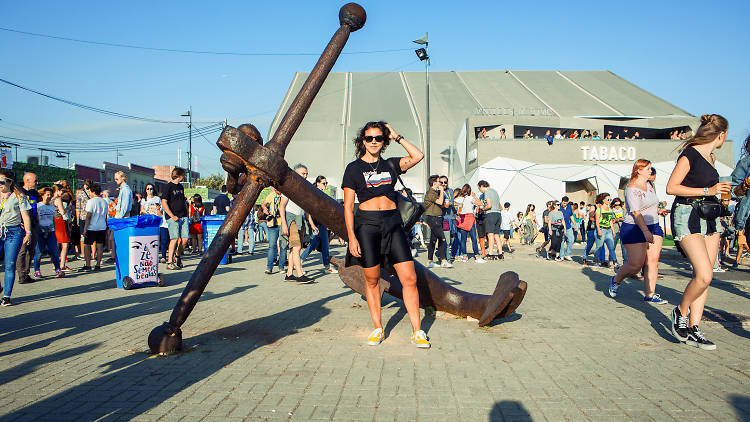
{"x": 180, "y": 50}
{"x": 142, "y": 143}
{"x": 87, "y": 107}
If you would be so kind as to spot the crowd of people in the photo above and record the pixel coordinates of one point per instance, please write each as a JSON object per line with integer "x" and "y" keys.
{"x": 67, "y": 225}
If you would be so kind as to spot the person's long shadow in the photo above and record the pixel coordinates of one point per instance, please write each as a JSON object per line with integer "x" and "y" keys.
{"x": 163, "y": 377}
{"x": 659, "y": 322}
{"x": 509, "y": 410}
{"x": 32, "y": 365}
{"x": 70, "y": 290}
{"x": 76, "y": 319}
{"x": 741, "y": 407}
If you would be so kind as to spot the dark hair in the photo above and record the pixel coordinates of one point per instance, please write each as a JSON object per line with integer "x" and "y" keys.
{"x": 87, "y": 182}
{"x": 145, "y": 189}
{"x": 565, "y": 199}
{"x": 197, "y": 200}
{"x": 223, "y": 188}
{"x": 483, "y": 183}
{"x": 432, "y": 179}
{"x": 466, "y": 190}
{"x": 616, "y": 201}
{"x": 506, "y": 205}
{"x": 444, "y": 177}
{"x": 95, "y": 189}
{"x": 747, "y": 146}
{"x": 359, "y": 141}
{"x": 9, "y": 175}
{"x": 600, "y": 197}
{"x": 177, "y": 172}
{"x": 319, "y": 179}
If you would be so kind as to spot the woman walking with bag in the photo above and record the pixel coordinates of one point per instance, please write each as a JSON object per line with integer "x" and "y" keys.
{"x": 376, "y": 235}
{"x": 467, "y": 223}
{"x": 695, "y": 222}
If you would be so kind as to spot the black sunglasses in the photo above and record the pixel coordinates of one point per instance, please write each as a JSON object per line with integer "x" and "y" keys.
{"x": 378, "y": 139}
{"x": 2, "y": 182}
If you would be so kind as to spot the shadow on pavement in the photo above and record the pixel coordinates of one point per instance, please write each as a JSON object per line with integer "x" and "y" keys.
{"x": 659, "y": 322}
{"x": 32, "y": 365}
{"x": 69, "y": 291}
{"x": 79, "y": 318}
{"x": 741, "y": 407}
{"x": 134, "y": 385}
{"x": 509, "y": 410}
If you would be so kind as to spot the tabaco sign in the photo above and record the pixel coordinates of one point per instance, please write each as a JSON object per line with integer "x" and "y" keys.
{"x": 608, "y": 153}
{"x": 144, "y": 259}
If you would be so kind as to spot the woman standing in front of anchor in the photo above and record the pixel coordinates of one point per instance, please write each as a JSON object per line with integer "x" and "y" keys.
{"x": 695, "y": 222}
{"x": 375, "y": 233}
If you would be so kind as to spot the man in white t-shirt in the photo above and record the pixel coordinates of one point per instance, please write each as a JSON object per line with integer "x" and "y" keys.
{"x": 95, "y": 228}
{"x": 505, "y": 219}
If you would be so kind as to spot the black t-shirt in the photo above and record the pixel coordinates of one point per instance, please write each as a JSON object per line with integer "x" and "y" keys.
{"x": 33, "y": 197}
{"x": 702, "y": 174}
{"x": 370, "y": 180}
{"x": 174, "y": 194}
{"x": 221, "y": 203}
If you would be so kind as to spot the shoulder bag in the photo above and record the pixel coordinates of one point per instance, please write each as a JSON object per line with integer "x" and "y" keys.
{"x": 407, "y": 206}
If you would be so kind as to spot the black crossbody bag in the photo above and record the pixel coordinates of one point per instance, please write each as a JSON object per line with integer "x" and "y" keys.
{"x": 710, "y": 208}
{"x": 407, "y": 206}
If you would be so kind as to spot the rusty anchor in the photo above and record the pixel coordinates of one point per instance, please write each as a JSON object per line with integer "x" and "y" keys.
{"x": 252, "y": 166}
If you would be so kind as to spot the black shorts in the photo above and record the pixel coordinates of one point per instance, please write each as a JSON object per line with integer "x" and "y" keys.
{"x": 98, "y": 236}
{"x": 381, "y": 238}
{"x": 506, "y": 234}
{"x": 492, "y": 223}
{"x": 480, "y": 229}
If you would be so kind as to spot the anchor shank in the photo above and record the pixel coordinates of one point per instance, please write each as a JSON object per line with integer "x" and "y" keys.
{"x": 219, "y": 246}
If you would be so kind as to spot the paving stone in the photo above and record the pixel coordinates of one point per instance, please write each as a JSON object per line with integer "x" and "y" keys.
{"x": 574, "y": 353}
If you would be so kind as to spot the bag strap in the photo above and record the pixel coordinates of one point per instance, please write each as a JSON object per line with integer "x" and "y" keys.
{"x": 398, "y": 176}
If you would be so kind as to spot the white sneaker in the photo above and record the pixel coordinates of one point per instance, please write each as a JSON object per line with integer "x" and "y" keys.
{"x": 413, "y": 252}
{"x": 432, "y": 265}
{"x": 568, "y": 258}
{"x": 420, "y": 340}
{"x": 376, "y": 337}
{"x": 479, "y": 260}
{"x": 446, "y": 264}
{"x": 719, "y": 270}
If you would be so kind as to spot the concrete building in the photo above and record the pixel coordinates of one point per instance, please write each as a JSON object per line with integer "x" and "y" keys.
{"x": 471, "y": 110}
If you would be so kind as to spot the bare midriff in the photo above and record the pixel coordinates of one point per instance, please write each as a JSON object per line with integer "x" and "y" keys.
{"x": 378, "y": 203}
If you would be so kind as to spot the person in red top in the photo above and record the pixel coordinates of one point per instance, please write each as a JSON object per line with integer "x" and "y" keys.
{"x": 196, "y": 211}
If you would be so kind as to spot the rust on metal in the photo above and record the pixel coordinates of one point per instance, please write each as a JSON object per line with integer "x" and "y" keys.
{"x": 251, "y": 166}
{"x": 167, "y": 338}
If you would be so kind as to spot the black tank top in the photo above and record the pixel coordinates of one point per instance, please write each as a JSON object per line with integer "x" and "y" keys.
{"x": 702, "y": 174}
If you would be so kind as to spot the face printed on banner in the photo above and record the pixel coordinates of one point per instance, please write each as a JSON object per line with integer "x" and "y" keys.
{"x": 144, "y": 259}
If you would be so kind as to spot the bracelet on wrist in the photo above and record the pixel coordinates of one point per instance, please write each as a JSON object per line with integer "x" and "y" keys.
{"x": 398, "y": 140}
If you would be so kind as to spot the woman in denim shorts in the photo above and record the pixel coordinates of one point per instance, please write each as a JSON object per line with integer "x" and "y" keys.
{"x": 695, "y": 183}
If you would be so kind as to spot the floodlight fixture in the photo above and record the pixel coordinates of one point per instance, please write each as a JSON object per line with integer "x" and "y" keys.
{"x": 421, "y": 54}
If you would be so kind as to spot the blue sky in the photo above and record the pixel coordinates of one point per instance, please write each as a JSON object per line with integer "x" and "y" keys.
{"x": 695, "y": 55}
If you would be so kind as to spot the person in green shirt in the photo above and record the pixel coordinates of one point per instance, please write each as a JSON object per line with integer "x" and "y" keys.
{"x": 604, "y": 219}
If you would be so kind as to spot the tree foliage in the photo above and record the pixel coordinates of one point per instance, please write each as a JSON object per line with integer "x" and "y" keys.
{"x": 214, "y": 181}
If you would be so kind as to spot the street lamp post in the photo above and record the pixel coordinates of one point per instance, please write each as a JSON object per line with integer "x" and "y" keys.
{"x": 423, "y": 54}
{"x": 189, "y": 114}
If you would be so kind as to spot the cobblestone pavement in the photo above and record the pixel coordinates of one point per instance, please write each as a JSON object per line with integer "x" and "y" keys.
{"x": 259, "y": 348}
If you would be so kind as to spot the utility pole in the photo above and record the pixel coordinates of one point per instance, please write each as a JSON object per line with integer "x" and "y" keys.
{"x": 190, "y": 146}
{"x": 424, "y": 55}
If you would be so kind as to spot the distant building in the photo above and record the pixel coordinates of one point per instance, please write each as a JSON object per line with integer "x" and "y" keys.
{"x": 163, "y": 175}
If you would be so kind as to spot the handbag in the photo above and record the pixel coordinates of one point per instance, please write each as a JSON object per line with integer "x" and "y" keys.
{"x": 709, "y": 209}
{"x": 408, "y": 207}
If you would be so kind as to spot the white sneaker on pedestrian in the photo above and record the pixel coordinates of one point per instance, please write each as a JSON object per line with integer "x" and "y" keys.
{"x": 432, "y": 265}
{"x": 568, "y": 258}
{"x": 479, "y": 260}
{"x": 446, "y": 264}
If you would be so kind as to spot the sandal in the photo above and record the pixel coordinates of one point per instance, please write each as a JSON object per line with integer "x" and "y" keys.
{"x": 172, "y": 266}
